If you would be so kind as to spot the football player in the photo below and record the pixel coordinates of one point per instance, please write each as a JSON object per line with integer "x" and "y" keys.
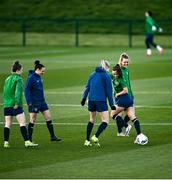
{"x": 98, "y": 89}
{"x": 35, "y": 99}
{"x": 151, "y": 28}
{"x": 123, "y": 101}
{"x": 13, "y": 104}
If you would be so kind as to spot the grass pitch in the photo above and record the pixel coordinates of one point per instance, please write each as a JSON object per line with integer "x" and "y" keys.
{"x": 67, "y": 71}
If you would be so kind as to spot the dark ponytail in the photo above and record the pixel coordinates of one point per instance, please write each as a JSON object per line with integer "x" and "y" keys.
{"x": 150, "y": 13}
{"x": 117, "y": 68}
{"x": 38, "y": 65}
{"x": 16, "y": 66}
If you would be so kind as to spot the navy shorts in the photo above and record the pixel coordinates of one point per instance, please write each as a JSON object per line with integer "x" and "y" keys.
{"x": 38, "y": 108}
{"x": 124, "y": 101}
{"x": 98, "y": 106}
{"x": 10, "y": 111}
{"x": 149, "y": 37}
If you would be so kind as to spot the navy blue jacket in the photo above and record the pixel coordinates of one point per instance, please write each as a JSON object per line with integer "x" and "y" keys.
{"x": 34, "y": 92}
{"x": 99, "y": 87}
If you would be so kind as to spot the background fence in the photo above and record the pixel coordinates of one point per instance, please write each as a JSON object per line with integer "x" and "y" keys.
{"x": 79, "y": 32}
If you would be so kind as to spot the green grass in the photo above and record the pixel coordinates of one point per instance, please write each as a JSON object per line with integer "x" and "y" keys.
{"x": 67, "y": 71}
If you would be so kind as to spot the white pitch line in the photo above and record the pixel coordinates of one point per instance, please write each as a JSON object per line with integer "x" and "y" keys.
{"x": 35, "y": 52}
{"x": 65, "y": 105}
{"x": 78, "y": 105}
{"x": 84, "y": 124}
{"x": 154, "y": 107}
{"x": 138, "y": 106}
{"x": 136, "y": 92}
{"x": 156, "y": 92}
{"x": 69, "y": 92}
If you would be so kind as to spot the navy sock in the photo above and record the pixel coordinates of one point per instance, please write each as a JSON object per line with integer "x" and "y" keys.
{"x": 30, "y": 130}
{"x": 137, "y": 125}
{"x": 6, "y": 134}
{"x": 126, "y": 119}
{"x": 23, "y": 131}
{"x": 101, "y": 128}
{"x": 89, "y": 129}
{"x": 50, "y": 128}
{"x": 119, "y": 123}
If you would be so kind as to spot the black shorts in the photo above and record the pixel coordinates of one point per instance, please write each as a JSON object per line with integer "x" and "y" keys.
{"x": 38, "y": 108}
{"x": 10, "y": 111}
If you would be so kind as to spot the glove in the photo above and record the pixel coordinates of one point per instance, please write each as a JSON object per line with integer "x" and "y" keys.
{"x": 153, "y": 28}
{"x": 113, "y": 108}
{"x": 160, "y": 30}
{"x": 83, "y": 101}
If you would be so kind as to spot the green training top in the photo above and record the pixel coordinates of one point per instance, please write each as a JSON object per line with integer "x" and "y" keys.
{"x": 125, "y": 73}
{"x": 149, "y": 23}
{"x": 118, "y": 84}
{"x": 13, "y": 91}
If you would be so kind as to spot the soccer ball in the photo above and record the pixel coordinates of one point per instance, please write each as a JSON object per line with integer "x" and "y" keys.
{"x": 141, "y": 139}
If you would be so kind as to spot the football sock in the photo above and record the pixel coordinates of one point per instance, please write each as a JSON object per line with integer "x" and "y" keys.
{"x": 137, "y": 125}
{"x": 101, "y": 128}
{"x": 89, "y": 129}
{"x": 126, "y": 119}
{"x": 23, "y": 131}
{"x": 6, "y": 134}
{"x": 119, "y": 122}
{"x": 50, "y": 128}
{"x": 30, "y": 130}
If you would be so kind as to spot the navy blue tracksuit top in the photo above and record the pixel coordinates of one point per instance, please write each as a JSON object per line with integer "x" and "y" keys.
{"x": 99, "y": 87}
{"x": 34, "y": 92}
